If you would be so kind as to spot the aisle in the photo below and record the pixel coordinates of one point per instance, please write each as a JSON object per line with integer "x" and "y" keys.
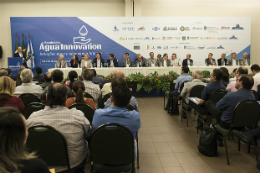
{"x": 167, "y": 146}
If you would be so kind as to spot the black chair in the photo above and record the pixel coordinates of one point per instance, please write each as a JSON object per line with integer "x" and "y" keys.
{"x": 214, "y": 97}
{"x": 86, "y": 109}
{"x": 32, "y": 107}
{"x": 245, "y": 114}
{"x": 258, "y": 91}
{"x": 50, "y": 145}
{"x": 29, "y": 98}
{"x": 130, "y": 107}
{"x": 112, "y": 149}
{"x": 132, "y": 87}
{"x": 194, "y": 92}
{"x": 166, "y": 94}
{"x": 105, "y": 98}
{"x": 87, "y": 95}
{"x": 255, "y": 94}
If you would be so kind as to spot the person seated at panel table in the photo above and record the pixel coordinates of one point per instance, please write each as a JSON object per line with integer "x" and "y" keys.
{"x": 140, "y": 62}
{"x": 112, "y": 61}
{"x": 210, "y": 61}
{"x": 151, "y": 62}
{"x": 98, "y": 61}
{"x": 222, "y": 60}
{"x": 85, "y": 62}
{"x": 175, "y": 61}
{"x": 22, "y": 54}
{"x": 74, "y": 63}
{"x": 127, "y": 62}
{"x": 165, "y": 61}
{"x": 232, "y": 61}
{"x": 244, "y": 60}
{"x": 158, "y": 60}
{"x": 61, "y": 63}
{"x": 187, "y": 61}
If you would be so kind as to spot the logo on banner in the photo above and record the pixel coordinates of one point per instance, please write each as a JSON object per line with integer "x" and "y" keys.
{"x": 137, "y": 47}
{"x": 122, "y": 38}
{"x": 156, "y": 38}
{"x": 148, "y": 47}
{"x": 165, "y": 47}
{"x": 169, "y": 38}
{"x": 115, "y": 29}
{"x": 182, "y": 28}
{"x": 139, "y": 38}
{"x": 141, "y": 29}
{"x": 128, "y": 28}
{"x": 171, "y": 29}
{"x": 207, "y": 38}
{"x": 194, "y": 38}
{"x": 237, "y": 27}
{"x": 233, "y": 37}
{"x": 82, "y": 40}
{"x": 175, "y": 47}
{"x": 177, "y": 38}
{"x": 165, "y": 28}
{"x": 159, "y": 47}
{"x": 225, "y": 28}
{"x": 222, "y": 38}
{"x": 211, "y": 29}
{"x": 195, "y": 28}
{"x": 156, "y": 29}
{"x": 185, "y": 38}
{"x": 220, "y": 47}
{"x": 131, "y": 38}
{"x": 211, "y": 47}
{"x": 163, "y": 38}
{"x": 146, "y": 38}
{"x": 189, "y": 47}
{"x": 201, "y": 47}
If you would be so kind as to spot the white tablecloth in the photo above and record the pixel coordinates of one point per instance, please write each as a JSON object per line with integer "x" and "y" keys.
{"x": 145, "y": 70}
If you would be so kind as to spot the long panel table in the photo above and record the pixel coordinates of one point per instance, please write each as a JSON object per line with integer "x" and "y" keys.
{"x": 144, "y": 70}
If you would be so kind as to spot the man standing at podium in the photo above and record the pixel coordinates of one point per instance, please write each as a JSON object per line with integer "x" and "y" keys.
{"x": 22, "y": 54}
{"x": 61, "y": 63}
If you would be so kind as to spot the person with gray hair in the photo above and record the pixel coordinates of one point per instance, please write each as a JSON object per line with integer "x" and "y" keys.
{"x": 61, "y": 63}
{"x": 222, "y": 60}
{"x": 27, "y": 85}
{"x": 185, "y": 93}
{"x": 244, "y": 60}
{"x": 3, "y": 72}
{"x": 85, "y": 62}
{"x": 91, "y": 88}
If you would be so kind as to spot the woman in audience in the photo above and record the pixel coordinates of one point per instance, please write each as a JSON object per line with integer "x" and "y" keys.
{"x": 73, "y": 76}
{"x": 74, "y": 63}
{"x": 225, "y": 77}
{"x": 13, "y": 135}
{"x": 19, "y": 80}
{"x": 7, "y": 98}
{"x": 78, "y": 89}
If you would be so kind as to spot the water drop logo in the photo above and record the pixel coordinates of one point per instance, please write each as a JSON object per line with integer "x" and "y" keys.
{"x": 82, "y": 40}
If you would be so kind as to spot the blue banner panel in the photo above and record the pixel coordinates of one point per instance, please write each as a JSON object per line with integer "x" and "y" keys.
{"x": 14, "y": 64}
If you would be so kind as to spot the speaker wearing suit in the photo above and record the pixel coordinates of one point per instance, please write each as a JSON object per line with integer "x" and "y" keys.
{"x": 101, "y": 61}
{"x": 209, "y": 61}
{"x": 221, "y": 61}
{"x": 126, "y": 61}
{"x": 187, "y": 62}
{"x": 112, "y": 63}
{"x": 22, "y": 54}
{"x": 61, "y": 64}
{"x": 166, "y": 62}
{"x": 244, "y": 61}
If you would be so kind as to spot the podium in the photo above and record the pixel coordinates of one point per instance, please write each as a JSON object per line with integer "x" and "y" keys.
{"x": 14, "y": 63}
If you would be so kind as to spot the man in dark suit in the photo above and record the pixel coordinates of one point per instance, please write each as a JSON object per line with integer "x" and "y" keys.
{"x": 38, "y": 76}
{"x": 187, "y": 61}
{"x": 222, "y": 60}
{"x": 210, "y": 61}
{"x": 22, "y": 54}
{"x": 98, "y": 61}
{"x": 127, "y": 61}
{"x": 165, "y": 62}
{"x": 112, "y": 61}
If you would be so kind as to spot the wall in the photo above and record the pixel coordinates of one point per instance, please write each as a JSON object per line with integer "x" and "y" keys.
{"x": 209, "y": 8}
{"x": 51, "y": 8}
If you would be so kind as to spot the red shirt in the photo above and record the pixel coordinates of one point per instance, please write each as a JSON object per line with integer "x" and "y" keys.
{"x": 14, "y": 102}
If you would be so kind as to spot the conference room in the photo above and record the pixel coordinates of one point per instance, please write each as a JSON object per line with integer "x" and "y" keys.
{"x": 129, "y": 86}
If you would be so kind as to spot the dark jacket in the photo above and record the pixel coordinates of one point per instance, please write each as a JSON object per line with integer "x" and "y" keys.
{"x": 219, "y": 61}
{"x": 38, "y": 78}
{"x": 207, "y": 61}
{"x": 115, "y": 61}
{"x": 102, "y": 61}
{"x": 24, "y": 58}
{"x": 72, "y": 64}
{"x": 98, "y": 80}
{"x": 184, "y": 62}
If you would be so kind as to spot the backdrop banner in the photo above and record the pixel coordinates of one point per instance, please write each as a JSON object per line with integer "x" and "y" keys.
{"x": 14, "y": 64}
{"x": 51, "y": 36}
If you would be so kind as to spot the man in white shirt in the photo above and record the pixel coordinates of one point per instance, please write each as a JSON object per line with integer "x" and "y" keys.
{"x": 69, "y": 122}
{"x": 175, "y": 61}
{"x": 27, "y": 85}
{"x": 61, "y": 63}
{"x": 233, "y": 61}
{"x": 256, "y": 71}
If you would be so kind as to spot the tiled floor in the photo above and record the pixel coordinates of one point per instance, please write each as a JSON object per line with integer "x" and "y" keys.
{"x": 167, "y": 145}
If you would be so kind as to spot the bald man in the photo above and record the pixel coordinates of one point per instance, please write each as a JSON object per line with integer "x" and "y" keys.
{"x": 244, "y": 60}
{"x": 187, "y": 61}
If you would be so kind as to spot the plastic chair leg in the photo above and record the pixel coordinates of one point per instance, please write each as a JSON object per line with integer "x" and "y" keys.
{"x": 225, "y": 143}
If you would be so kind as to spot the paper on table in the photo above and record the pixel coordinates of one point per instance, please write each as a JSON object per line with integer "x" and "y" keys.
{"x": 52, "y": 170}
{"x": 193, "y": 99}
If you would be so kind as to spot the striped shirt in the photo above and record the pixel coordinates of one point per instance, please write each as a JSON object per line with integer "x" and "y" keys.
{"x": 93, "y": 90}
{"x": 72, "y": 124}
{"x": 31, "y": 88}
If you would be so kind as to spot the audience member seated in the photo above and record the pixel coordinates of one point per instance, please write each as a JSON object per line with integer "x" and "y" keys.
{"x": 3, "y": 72}
{"x": 13, "y": 135}
{"x": 120, "y": 81}
{"x": 73, "y": 76}
{"x": 223, "y": 110}
{"x": 112, "y": 61}
{"x": 127, "y": 62}
{"x": 174, "y": 94}
{"x": 214, "y": 85}
{"x": 256, "y": 72}
{"x": 10, "y": 74}
{"x": 98, "y": 80}
{"x": 7, "y": 98}
{"x": 19, "y": 80}
{"x": 38, "y": 76}
{"x": 47, "y": 78}
{"x": 57, "y": 77}
{"x": 74, "y": 63}
{"x": 78, "y": 90}
{"x": 27, "y": 85}
{"x": 233, "y": 75}
{"x": 107, "y": 86}
{"x": 61, "y": 63}
{"x": 232, "y": 85}
{"x": 225, "y": 76}
{"x": 118, "y": 113}
{"x": 91, "y": 88}
{"x": 69, "y": 122}
{"x": 197, "y": 80}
